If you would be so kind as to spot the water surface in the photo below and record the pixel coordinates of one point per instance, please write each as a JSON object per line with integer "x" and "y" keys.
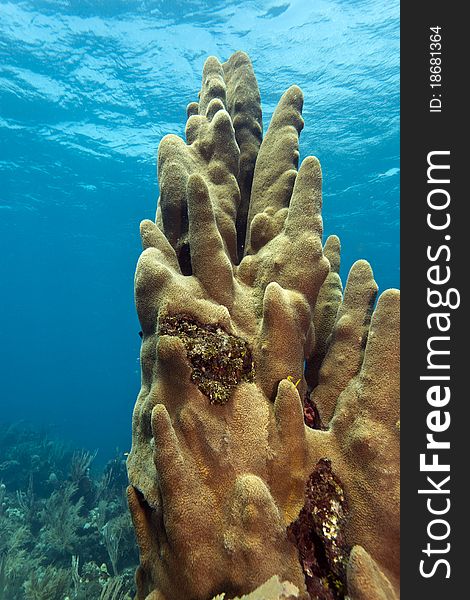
{"x": 87, "y": 89}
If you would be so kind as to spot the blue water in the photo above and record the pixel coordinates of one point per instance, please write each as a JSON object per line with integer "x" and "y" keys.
{"x": 87, "y": 89}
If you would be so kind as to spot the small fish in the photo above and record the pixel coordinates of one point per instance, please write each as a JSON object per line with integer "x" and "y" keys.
{"x": 290, "y": 378}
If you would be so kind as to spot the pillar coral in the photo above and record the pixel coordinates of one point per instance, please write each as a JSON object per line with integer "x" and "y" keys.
{"x": 244, "y": 326}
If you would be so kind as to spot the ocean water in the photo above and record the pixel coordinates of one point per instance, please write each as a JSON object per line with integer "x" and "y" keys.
{"x": 87, "y": 90}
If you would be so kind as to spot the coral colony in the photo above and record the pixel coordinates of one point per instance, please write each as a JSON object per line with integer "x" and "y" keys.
{"x": 265, "y": 455}
{"x": 65, "y": 534}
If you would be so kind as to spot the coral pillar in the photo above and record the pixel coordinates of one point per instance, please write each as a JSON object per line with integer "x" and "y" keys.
{"x": 245, "y": 329}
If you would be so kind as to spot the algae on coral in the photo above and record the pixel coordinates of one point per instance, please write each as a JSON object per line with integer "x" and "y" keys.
{"x": 318, "y": 534}
{"x": 219, "y": 360}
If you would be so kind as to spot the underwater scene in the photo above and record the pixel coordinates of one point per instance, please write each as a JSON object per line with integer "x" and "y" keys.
{"x": 207, "y": 407}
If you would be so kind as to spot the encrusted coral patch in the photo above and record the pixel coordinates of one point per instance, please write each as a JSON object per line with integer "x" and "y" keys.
{"x": 312, "y": 417}
{"x": 219, "y": 360}
{"x": 317, "y": 533}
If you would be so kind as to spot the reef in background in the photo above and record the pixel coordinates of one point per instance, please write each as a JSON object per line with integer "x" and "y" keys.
{"x": 65, "y": 530}
{"x": 288, "y": 466}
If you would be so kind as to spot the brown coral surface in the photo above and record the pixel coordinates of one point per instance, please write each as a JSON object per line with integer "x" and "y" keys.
{"x": 243, "y": 320}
